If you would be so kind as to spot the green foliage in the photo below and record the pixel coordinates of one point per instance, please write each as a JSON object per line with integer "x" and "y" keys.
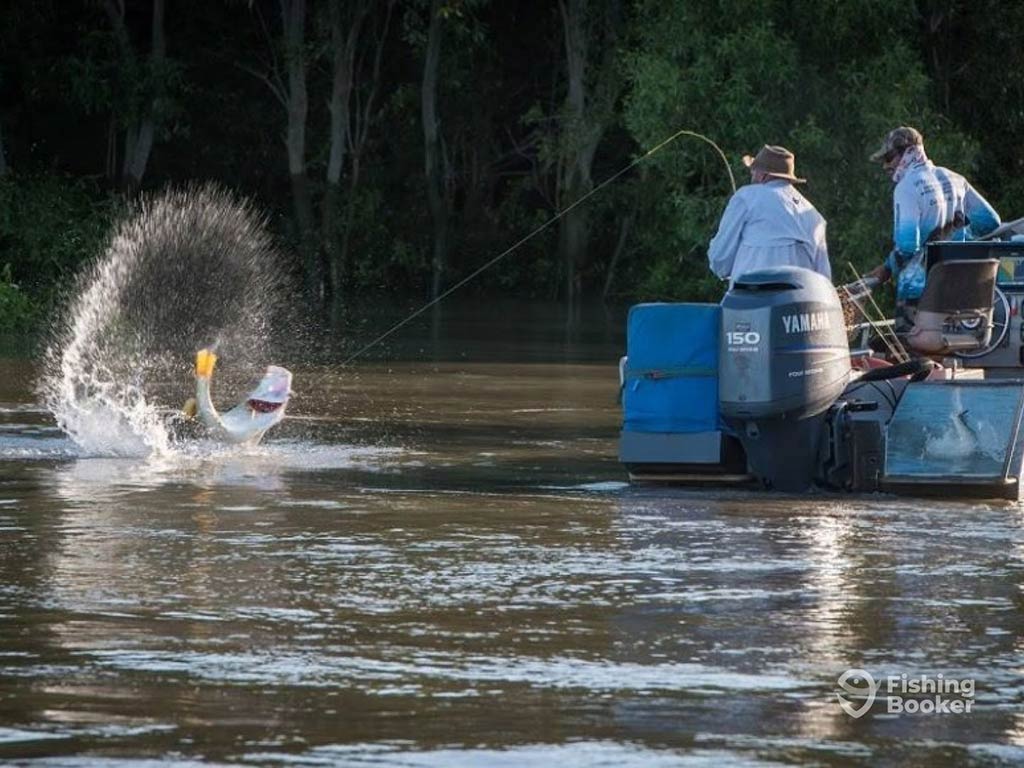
{"x": 19, "y": 315}
{"x": 733, "y": 83}
{"x": 102, "y": 79}
{"x": 381, "y": 256}
{"x": 533, "y": 269}
{"x": 827, "y": 78}
{"x": 49, "y": 225}
{"x": 984, "y": 93}
{"x": 759, "y": 79}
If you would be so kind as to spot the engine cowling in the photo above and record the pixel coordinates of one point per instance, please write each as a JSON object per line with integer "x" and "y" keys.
{"x": 783, "y": 351}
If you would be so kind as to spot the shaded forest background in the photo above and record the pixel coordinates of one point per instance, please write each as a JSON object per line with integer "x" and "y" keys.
{"x": 398, "y": 145}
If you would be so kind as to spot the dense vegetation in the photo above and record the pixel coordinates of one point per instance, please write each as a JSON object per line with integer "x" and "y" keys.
{"x": 398, "y": 145}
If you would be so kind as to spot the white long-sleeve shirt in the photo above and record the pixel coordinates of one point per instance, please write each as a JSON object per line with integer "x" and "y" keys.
{"x": 768, "y": 225}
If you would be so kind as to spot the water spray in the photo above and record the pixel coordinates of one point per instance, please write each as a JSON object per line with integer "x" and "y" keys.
{"x": 180, "y": 267}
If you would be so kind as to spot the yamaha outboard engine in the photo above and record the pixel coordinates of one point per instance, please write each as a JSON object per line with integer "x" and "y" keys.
{"x": 784, "y": 359}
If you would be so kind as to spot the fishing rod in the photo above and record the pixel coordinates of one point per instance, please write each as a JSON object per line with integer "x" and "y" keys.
{"x": 885, "y": 332}
{"x": 480, "y": 270}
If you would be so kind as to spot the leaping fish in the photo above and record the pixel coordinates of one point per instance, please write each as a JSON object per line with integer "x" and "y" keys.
{"x": 248, "y": 421}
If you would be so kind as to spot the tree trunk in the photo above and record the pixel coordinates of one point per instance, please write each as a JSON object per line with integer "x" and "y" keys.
{"x": 350, "y": 213}
{"x": 579, "y": 146}
{"x": 303, "y": 201}
{"x": 3, "y": 154}
{"x": 573, "y": 235}
{"x": 111, "y": 162}
{"x": 620, "y": 246}
{"x": 130, "y": 136}
{"x": 588, "y": 111}
{"x": 343, "y": 46}
{"x": 433, "y": 151}
{"x": 293, "y": 15}
{"x": 140, "y": 133}
{"x": 331, "y": 265}
{"x": 135, "y": 164}
{"x": 115, "y": 13}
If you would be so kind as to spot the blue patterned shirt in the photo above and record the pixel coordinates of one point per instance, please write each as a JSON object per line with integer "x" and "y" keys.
{"x": 927, "y": 200}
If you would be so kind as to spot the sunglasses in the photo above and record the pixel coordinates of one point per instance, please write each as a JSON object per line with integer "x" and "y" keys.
{"x": 892, "y": 155}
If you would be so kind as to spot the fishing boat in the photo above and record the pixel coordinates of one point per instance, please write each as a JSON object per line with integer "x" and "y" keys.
{"x": 774, "y": 388}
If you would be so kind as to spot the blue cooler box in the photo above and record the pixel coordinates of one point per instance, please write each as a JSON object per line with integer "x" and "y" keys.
{"x": 670, "y": 385}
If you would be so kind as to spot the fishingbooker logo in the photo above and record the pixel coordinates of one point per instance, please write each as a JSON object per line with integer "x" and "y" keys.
{"x": 860, "y": 684}
{"x": 905, "y": 694}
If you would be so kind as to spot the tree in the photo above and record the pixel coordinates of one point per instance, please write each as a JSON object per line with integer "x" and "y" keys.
{"x": 293, "y": 17}
{"x": 434, "y": 161}
{"x": 592, "y": 87}
{"x": 740, "y": 72}
{"x": 985, "y": 91}
{"x": 343, "y": 50}
{"x": 351, "y": 120}
{"x": 497, "y": 116}
{"x": 288, "y": 85}
{"x": 140, "y": 122}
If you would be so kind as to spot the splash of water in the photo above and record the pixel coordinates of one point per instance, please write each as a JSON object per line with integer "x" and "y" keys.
{"x": 183, "y": 269}
{"x": 963, "y": 436}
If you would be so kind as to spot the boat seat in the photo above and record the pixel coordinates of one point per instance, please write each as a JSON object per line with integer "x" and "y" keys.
{"x": 954, "y": 313}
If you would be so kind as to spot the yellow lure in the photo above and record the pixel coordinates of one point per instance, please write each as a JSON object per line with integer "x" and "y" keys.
{"x": 205, "y": 360}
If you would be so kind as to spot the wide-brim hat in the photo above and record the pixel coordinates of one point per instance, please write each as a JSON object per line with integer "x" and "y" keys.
{"x": 897, "y": 140}
{"x": 776, "y": 162}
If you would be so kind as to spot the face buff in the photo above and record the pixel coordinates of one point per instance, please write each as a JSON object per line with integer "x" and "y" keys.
{"x": 912, "y": 157}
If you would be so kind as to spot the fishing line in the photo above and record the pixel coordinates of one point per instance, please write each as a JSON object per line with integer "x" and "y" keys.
{"x": 538, "y": 230}
{"x": 894, "y": 344}
{"x": 877, "y": 327}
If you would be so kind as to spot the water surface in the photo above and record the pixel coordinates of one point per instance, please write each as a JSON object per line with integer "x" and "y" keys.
{"x": 436, "y": 562}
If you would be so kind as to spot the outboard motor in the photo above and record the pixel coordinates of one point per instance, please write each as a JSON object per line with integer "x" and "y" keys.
{"x": 784, "y": 359}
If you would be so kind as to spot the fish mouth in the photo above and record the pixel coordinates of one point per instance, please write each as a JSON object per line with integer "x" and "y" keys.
{"x": 263, "y": 406}
{"x": 272, "y": 393}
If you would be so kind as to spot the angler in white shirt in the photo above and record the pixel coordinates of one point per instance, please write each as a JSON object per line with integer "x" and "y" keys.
{"x": 768, "y": 223}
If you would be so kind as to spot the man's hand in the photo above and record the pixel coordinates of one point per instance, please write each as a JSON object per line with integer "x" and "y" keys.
{"x": 881, "y": 274}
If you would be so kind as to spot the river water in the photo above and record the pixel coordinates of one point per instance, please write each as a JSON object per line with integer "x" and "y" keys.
{"x": 436, "y": 562}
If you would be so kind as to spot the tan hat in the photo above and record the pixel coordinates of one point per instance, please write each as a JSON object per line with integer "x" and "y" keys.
{"x": 777, "y": 162}
{"x": 897, "y": 140}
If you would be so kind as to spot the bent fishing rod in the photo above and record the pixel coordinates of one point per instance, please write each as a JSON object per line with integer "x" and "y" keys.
{"x": 511, "y": 249}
